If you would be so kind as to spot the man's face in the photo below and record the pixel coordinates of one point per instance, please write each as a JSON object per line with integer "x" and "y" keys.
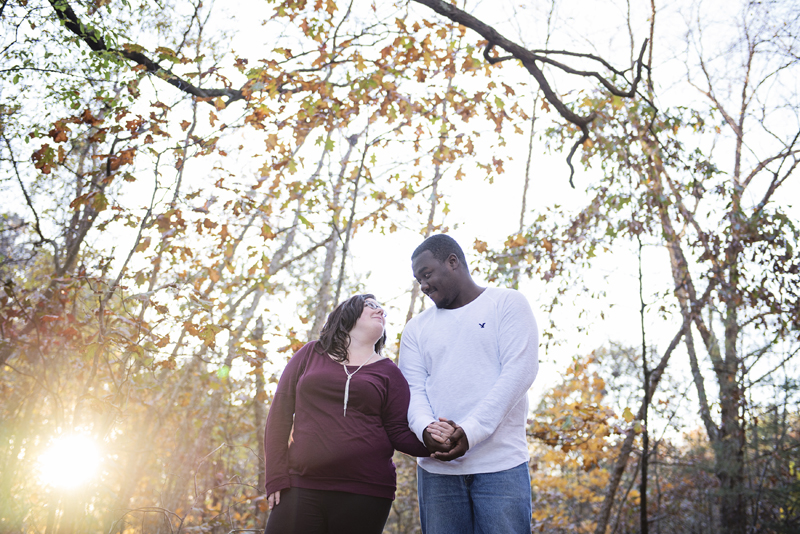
{"x": 436, "y": 279}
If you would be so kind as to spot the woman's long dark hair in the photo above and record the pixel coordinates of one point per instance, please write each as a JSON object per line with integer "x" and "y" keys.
{"x": 335, "y": 335}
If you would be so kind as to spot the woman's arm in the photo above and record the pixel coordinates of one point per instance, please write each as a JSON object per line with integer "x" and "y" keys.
{"x": 395, "y": 416}
{"x": 279, "y": 423}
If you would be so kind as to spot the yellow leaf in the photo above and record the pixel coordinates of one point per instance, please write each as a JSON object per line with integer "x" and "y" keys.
{"x": 143, "y": 244}
{"x": 627, "y": 415}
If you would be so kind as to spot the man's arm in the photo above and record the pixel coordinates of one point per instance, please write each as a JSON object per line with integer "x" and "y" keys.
{"x": 412, "y": 365}
{"x": 519, "y": 359}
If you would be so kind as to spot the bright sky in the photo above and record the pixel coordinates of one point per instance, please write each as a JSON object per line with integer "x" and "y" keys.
{"x": 491, "y": 212}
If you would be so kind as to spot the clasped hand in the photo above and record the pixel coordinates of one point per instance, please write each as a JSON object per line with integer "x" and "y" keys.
{"x": 445, "y": 439}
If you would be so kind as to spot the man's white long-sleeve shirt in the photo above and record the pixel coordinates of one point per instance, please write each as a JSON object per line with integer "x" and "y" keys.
{"x": 474, "y": 365}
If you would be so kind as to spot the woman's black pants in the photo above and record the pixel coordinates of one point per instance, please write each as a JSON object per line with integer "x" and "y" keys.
{"x": 307, "y": 511}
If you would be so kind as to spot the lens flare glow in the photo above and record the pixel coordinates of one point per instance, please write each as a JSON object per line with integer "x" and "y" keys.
{"x": 69, "y": 462}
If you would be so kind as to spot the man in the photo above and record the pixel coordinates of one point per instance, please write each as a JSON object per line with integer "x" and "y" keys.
{"x": 470, "y": 359}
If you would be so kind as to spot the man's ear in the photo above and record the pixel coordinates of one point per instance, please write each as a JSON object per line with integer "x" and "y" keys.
{"x": 453, "y": 262}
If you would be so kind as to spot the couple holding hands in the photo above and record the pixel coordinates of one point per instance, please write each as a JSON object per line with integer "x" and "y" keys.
{"x": 458, "y": 402}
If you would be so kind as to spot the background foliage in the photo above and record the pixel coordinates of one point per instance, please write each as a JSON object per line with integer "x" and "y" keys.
{"x": 188, "y": 189}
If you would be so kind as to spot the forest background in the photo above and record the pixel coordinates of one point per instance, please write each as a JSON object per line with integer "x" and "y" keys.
{"x": 189, "y": 187}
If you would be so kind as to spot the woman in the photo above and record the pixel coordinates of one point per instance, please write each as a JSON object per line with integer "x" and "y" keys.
{"x": 338, "y": 415}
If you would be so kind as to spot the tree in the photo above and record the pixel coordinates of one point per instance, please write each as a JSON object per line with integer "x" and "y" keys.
{"x": 153, "y": 264}
{"x": 183, "y": 216}
{"x": 733, "y": 260}
{"x": 573, "y": 430}
{"x": 576, "y": 432}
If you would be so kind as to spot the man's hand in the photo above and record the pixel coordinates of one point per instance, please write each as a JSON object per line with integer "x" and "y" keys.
{"x": 459, "y": 444}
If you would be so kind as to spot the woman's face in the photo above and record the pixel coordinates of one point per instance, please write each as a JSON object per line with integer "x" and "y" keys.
{"x": 372, "y": 321}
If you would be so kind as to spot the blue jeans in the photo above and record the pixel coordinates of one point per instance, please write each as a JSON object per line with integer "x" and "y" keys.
{"x": 486, "y": 503}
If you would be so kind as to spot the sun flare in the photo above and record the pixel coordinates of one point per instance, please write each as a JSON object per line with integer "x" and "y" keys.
{"x": 69, "y": 462}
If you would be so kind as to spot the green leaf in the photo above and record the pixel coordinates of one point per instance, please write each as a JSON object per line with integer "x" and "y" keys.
{"x": 223, "y": 372}
{"x": 91, "y": 349}
{"x": 167, "y": 53}
{"x": 306, "y": 222}
{"x": 99, "y": 202}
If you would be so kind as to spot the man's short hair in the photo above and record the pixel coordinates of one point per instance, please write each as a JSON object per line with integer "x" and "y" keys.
{"x": 441, "y": 246}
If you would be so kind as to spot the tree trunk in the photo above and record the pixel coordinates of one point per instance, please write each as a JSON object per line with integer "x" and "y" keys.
{"x": 627, "y": 445}
{"x": 729, "y": 448}
{"x": 437, "y": 175}
{"x": 324, "y": 295}
{"x": 259, "y": 421}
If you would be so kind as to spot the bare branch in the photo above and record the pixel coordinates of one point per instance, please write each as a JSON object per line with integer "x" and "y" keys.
{"x": 627, "y": 445}
{"x": 579, "y": 142}
{"x": 95, "y": 41}
{"x": 728, "y": 118}
{"x": 29, "y": 202}
{"x": 529, "y": 59}
{"x": 491, "y": 59}
{"x": 593, "y": 74}
{"x": 699, "y": 383}
{"x": 692, "y": 220}
{"x": 769, "y": 373}
{"x": 584, "y": 55}
{"x": 302, "y": 254}
{"x": 777, "y": 180}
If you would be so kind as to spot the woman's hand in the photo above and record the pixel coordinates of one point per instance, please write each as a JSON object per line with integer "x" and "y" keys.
{"x": 274, "y": 499}
{"x": 458, "y": 443}
{"x": 440, "y": 430}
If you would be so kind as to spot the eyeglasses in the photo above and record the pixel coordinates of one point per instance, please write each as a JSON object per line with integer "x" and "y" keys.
{"x": 375, "y": 306}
